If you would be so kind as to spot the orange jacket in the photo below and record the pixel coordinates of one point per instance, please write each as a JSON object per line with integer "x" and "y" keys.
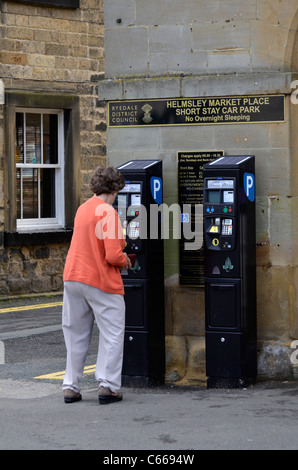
{"x": 96, "y": 250}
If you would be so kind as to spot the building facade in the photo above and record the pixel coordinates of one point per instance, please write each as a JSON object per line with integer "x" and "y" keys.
{"x": 52, "y": 134}
{"x": 63, "y": 65}
{"x": 206, "y": 54}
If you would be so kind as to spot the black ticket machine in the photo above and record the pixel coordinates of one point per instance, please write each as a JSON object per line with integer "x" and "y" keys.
{"x": 144, "y": 346}
{"x": 230, "y": 271}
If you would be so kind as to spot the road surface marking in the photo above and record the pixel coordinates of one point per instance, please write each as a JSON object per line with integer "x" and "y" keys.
{"x": 60, "y": 375}
{"x": 29, "y": 332}
{"x": 30, "y": 307}
{"x": 2, "y": 353}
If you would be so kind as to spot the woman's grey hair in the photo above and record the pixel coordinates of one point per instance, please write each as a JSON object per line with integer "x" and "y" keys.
{"x": 106, "y": 180}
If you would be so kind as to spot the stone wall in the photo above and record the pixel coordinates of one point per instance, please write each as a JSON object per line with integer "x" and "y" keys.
{"x": 50, "y": 51}
{"x": 160, "y": 49}
{"x": 203, "y": 37}
{"x": 34, "y": 269}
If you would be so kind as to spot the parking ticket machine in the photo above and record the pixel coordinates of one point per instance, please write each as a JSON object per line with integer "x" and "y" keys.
{"x": 144, "y": 346}
{"x": 230, "y": 271}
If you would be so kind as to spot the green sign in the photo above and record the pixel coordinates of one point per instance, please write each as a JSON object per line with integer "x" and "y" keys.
{"x": 197, "y": 111}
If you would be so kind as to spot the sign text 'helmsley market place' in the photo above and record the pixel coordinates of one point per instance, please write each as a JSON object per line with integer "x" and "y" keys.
{"x": 197, "y": 111}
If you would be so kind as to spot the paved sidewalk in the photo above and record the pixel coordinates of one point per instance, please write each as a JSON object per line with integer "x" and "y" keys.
{"x": 34, "y": 416}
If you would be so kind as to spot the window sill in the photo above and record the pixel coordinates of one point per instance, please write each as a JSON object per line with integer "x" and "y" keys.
{"x": 37, "y": 238}
{"x": 53, "y": 3}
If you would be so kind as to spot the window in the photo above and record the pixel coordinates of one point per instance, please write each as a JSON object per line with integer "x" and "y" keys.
{"x": 39, "y": 169}
{"x": 42, "y": 169}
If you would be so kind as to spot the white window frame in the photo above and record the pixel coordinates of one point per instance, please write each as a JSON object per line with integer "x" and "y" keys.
{"x": 53, "y": 223}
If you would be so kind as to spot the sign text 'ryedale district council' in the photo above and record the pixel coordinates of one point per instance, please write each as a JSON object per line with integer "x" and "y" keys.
{"x": 197, "y": 111}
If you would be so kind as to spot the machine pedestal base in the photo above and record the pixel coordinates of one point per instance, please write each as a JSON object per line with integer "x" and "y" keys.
{"x": 139, "y": 381}
{"x": 227, "y": 382}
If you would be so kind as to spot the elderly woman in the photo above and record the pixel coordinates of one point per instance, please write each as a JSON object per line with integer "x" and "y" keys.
{"x": 93, "y": 289}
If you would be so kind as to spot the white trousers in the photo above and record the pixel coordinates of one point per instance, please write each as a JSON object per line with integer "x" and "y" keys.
{"x": 81, "y": 305}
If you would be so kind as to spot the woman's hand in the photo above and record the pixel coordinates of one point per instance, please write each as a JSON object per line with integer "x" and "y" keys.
{"x": 128, "y": 262}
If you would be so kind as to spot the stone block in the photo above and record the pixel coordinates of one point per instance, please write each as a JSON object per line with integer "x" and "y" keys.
{"x": 155, "y": 87}
{"x": 110, "y": 90}
{"x": 240, "y": 139}
{"x": 236, "y": 84}
{"x": 68, "y": 63}
{"x": 38, "y": 60}
{"x": 273, "y": 11}
{"x": 185, "y": 360}
{"x": 61, "y": 24}
{"x": 20, "y": 33}
{"x": 196, "y": 365}
{"x": 280, "y": 230}
{"x": 188, "y": 311}
{"x": 294, "y": 230}
{"x": 14, "y": 58}
{"x": 41, "y": 284}
{"x": 119, "y": 14}
{"x": 263, "y": 252}
{"x": 15, "y": 287}
{"x": 43, "y": 36}
{"x": 123, "y": 139}
{"x": 273, "y": 40}
{"x": 80, "y": 27}
{"x": 278, "y": 134}
{"x": 41, "y": 22}
{"x": 187, "y": 138}
{"x": 231, "y": 61}
{"x": 176, "y": 358}
{"x": 56, "y": 49}
{"x": 272, "y": 171}
{"x": 274, "y": 361}
{"x": 126, "y": 51}
{"x": 294, "y": 303}
{"x": 189, "y": 63}
{"x": 274, "y": 304}
{"x": 169, "y": 39}
{"x": 92, "y": 5}
{"x": 170, "y": 11}
{"x": 231, "y": 36}
{"x": 167, "y": 12}
{"x": 171, "y": 255}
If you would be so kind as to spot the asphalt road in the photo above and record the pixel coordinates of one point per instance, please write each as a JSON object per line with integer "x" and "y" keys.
{"x": 33, "y": 415}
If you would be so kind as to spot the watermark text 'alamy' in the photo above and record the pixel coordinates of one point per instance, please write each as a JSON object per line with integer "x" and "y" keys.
{"x": 163, "y": 222}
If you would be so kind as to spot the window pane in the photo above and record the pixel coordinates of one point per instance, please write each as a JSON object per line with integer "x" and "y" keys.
{"x": 33, "y": 132}
{"x": 50, "y": 138}
{"x": 47, "y": 192}
{"x": 30, "y": 193}
{"x": 19, "y": 138}
{"x": 37, "y": 182}
{"x": 19, "y": 193}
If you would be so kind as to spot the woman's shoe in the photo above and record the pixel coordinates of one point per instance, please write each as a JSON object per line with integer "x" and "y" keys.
{"x": 105, "y": 396}
{"x": 70, "y": 396}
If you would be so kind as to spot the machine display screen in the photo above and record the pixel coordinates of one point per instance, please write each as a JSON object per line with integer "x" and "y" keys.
{"x": 213, "y": 197}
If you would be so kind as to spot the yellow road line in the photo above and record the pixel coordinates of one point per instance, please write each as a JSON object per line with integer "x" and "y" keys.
{"x": 60, "y": 375}
{"x": 55, "y": 375}
{"x": 30, "y": 307}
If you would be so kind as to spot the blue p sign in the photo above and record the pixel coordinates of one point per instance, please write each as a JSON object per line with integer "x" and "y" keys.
{"x": 156, "y": 189}
{"x": 249, "y": 186}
